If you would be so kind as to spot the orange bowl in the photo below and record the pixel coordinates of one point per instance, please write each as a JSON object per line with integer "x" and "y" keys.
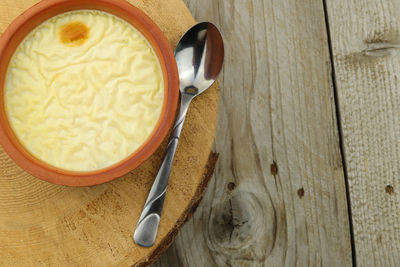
{"x": 46, "y": 9}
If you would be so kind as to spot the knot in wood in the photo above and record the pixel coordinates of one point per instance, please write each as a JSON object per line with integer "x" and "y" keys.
{"x": 244, "y": 224}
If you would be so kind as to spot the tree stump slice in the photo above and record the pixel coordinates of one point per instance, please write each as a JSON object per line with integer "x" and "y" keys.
{"x": 42, "y": 224}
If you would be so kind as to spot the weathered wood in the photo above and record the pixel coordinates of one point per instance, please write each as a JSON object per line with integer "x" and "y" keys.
{"x": 278, "y": 197}
{"x": 48, "y": 225}
{"x": 365, "y": 43}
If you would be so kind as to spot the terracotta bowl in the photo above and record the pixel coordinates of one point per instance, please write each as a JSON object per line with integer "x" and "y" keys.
{"x": 44, "y": 10}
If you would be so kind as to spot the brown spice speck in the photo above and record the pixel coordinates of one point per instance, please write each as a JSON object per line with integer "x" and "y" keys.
{"x": 74, "y": 33}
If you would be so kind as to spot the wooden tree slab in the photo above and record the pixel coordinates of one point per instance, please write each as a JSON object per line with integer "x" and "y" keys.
{"x": 42, "y": 224}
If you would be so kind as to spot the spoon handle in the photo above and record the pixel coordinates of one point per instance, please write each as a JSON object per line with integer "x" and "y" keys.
{"x": 147, "y": 227}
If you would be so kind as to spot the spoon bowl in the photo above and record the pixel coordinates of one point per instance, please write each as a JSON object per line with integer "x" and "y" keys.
{"x": 199, "y": 56}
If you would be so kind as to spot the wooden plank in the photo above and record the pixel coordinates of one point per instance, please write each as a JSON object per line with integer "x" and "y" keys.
{"x": 365, "y": 44}
{"x": 278, "y": 196}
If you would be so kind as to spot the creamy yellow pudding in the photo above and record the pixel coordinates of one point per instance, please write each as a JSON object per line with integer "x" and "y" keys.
{"x": 84, "y": 90}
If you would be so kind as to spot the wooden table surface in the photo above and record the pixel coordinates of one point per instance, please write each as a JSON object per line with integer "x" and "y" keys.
{"x": 308, "y": 136}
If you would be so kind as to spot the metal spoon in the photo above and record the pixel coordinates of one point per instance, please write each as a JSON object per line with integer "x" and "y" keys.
{"x": 199, "y": 56}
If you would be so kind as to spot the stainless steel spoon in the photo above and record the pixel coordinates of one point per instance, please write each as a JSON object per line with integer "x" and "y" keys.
{"x": 199, "y": 56}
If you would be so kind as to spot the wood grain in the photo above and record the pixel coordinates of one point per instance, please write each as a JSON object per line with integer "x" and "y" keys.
{"x": 365, "y": 43}
{"x": 42, "y": 224}
{"x": 278, "y": 197}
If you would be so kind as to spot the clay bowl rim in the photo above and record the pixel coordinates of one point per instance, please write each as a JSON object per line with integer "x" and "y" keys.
{"x": 46, "y": 9}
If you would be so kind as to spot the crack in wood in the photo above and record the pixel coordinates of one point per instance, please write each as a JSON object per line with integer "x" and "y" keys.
{"x": 381, "y": 49}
